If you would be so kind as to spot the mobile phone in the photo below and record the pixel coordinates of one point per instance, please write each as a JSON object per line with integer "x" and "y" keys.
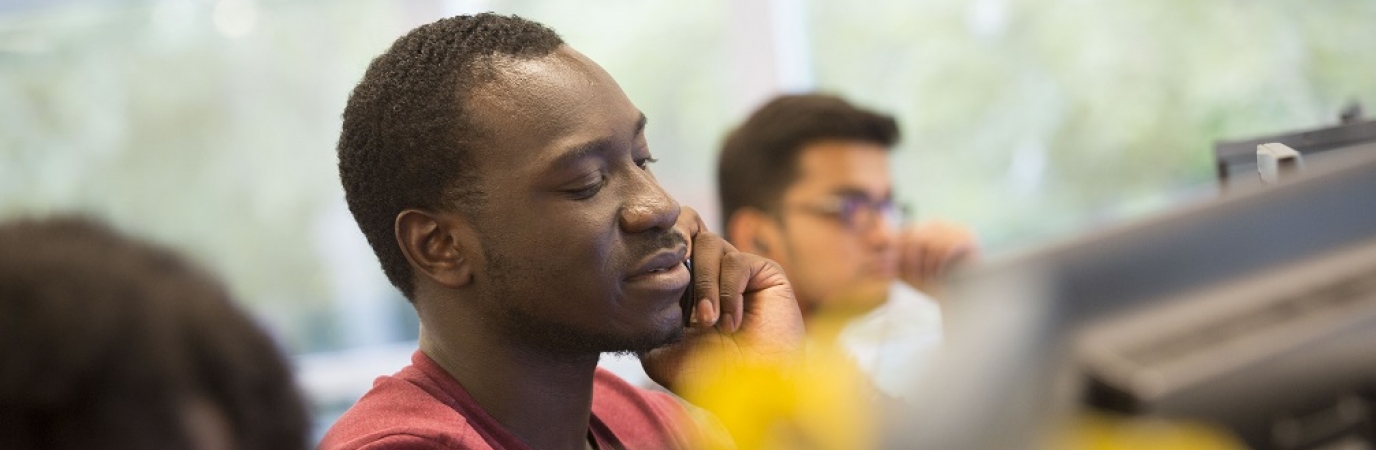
{"x": 688, "y": 300}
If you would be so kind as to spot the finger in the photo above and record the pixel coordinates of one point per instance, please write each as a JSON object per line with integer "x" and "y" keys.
{"x": 909, "y": 263}
{"x": 707, "y": 250}
{"x": 747, "y": 276}
{"x": 934, "y": 260}
{"x": 961, "y": 247}
{"x": 960, "y": 255}
{"x": 736, "y": 271}
{"x": 939, "y": 250}
{"x": 702, "y": 264}
{"x": 928, "y": 259}
{"x": 688, "y": 226}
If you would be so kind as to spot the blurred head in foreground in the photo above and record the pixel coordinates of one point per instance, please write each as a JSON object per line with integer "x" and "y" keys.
{"x": 108, "y": 342}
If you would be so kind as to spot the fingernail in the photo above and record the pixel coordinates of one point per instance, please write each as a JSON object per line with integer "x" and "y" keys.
{"x": 705, "y": 315}
{"x": 729, "y": 321}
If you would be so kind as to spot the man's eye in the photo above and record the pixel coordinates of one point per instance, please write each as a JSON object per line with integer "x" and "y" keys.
{"x": 849, "y": 207}
{"x": 589, "y": 190}
{"x": 644, "y": 163}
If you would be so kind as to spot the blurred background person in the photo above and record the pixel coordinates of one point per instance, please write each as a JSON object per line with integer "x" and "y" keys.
{"x": 806, "y": 181}
{"x": 109, "y": 342}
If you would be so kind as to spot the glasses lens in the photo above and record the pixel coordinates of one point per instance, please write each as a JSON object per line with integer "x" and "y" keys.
{"x": 850, "y": 209}
{"x": 894, "y": 214}
{"x": 859, "y": 212}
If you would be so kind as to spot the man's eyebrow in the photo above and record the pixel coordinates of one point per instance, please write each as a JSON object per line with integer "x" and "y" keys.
{"x": 579, "y": 152}
{"x": 591, "y": 148}
{"x": 851, "y": 191}
{"x": 640, "y": 125}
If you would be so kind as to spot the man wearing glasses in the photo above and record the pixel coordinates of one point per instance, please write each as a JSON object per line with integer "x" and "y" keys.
{"x": 805, "y": 181}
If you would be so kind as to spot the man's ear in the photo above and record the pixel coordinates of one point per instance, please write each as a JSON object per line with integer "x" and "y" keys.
{"x": 438, "y": 246}
{"x": 754, "y": 231}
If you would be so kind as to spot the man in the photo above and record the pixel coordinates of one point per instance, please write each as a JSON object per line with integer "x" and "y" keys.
{"x": 805, "y": 181}
{"x": 108, "y": 342}
{"x": 503, "y": 180}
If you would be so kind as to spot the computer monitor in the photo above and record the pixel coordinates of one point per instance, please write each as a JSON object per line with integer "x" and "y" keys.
{"x": 1016, "y": 357}
{"x": 1235, "y": 161}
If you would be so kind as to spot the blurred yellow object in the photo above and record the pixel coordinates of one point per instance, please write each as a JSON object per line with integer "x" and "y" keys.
{"x": 1103, "y": 432}
{"x": 824, "y": 403}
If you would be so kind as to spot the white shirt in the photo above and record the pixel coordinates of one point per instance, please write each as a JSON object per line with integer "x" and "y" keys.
{"x": 894, "y": 343}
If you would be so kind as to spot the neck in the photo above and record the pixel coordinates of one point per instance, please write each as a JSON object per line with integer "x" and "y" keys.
{"x": 542, "y": 398}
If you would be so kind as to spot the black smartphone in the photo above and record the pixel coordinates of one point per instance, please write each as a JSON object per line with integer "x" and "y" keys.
{"x": 688, "y": 300}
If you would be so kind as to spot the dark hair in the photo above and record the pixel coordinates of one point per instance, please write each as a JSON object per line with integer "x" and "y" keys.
{"x": 106, "y": 342}
{"x": 407, "y": 132}
{"x": 759, "y": 158}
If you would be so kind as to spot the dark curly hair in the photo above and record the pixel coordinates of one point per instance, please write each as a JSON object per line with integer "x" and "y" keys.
{"x": 759, "y": 159}
{"x": 107, "y": 342}
{"x": 407, "y": 132}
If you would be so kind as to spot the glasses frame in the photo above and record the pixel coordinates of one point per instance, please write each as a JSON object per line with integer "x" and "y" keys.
{"x": 857, "y": 212}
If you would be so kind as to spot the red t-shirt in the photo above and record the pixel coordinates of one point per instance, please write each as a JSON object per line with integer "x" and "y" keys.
{"x": 422, "y": 407}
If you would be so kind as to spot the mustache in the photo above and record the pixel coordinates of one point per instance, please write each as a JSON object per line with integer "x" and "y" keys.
{"x": 668, "y": 239}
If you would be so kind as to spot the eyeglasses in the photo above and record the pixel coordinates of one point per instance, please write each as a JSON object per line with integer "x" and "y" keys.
{"x": 858, "y": 211}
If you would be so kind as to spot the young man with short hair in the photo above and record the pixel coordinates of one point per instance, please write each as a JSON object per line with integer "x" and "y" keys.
{"x": 503, "y": 179}
{"x": 806, "y": 182}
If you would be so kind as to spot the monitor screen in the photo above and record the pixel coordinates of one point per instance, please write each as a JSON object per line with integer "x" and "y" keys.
{"x": 1013, "y": 323}
{"x": 1236, "y": 160}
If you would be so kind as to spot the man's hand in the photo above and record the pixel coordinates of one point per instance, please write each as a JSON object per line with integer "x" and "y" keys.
{"x": 744, "y": 306}
{"x": 928, "y": 251}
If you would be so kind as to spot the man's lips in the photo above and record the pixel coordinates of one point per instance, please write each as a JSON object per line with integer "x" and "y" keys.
{"x": 661, "y": 262}
{"x": 664, "y": 272}
{"x": 883, "y": 268}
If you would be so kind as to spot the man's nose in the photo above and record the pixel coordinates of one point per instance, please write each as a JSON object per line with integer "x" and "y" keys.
{"x": 882, "y": 232}
{"x": 649, "y": 206}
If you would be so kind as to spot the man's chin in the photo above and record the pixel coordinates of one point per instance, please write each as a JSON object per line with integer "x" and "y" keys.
{"x": 859, "y": 299}
{"x": 650, "y": 341}
{"x": 564, "y": 338}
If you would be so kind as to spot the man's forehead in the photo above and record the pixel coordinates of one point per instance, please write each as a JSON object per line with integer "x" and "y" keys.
{"x": 537, "y": 88}
{"x": 836, "y": 166}
{"x": 531, "y": 108}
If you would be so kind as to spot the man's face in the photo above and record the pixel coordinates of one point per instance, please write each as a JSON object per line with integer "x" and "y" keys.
{"x": 839, "y": 245}
{"x": 577, "y": 237}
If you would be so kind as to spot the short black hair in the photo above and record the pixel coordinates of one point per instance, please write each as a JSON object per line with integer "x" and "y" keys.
{"x": 407, "y": 133}
{"x": 109, "y": 342}
{"x": 759, "y": 159}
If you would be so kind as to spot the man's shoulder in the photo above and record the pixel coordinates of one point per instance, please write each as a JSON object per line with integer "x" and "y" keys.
{"x": 611, "y": 390}
{"x": 396, "y": 441}
{"x": 401, "y": 412}
{"x": 640, "y": 417}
